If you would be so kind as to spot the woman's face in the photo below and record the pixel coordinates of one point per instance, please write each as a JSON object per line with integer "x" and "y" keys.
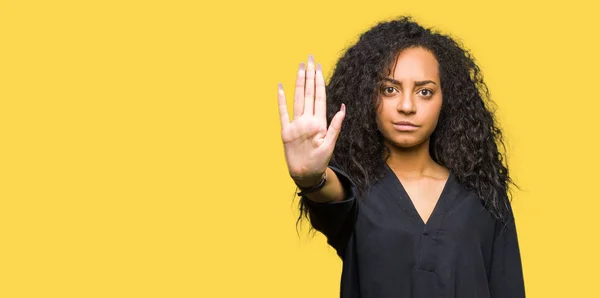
{"x": 411, "y": 100}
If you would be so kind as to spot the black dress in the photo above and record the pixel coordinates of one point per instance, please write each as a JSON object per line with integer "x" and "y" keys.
{"x": 388, "y": 251}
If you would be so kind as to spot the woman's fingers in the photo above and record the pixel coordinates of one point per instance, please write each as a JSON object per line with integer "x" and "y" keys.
{"x": 299, "y": 92}
{"x": 307, "y": 81}
{"x": 283, "y": 113}
{"x": 309, "y": 87}
{"x": 320, "y": 99}
{"x": 335, "y": 127}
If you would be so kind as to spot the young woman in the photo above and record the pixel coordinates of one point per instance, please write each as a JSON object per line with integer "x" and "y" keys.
{"x": 413, "y": 192}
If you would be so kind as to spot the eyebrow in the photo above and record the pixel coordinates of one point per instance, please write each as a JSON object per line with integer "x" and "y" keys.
{"x": 417, "y": 83}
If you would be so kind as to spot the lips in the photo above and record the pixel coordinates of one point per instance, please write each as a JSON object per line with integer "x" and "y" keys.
{"x": 405, "y": 126}
{"x": 405, "y": 123}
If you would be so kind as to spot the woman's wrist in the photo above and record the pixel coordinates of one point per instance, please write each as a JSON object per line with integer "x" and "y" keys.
{"x": 310, "y": 182}
{"x": 314, "y": 189}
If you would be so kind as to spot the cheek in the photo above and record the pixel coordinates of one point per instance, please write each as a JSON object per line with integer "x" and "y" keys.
{"x": 380, "y": 126}
{"x": 434, "y": 109}
{"x": 381, "y": 115}
{"x": 431, "y": 116}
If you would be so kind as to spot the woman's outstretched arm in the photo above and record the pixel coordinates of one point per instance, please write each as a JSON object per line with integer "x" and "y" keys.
{"x": 335, "y": 218}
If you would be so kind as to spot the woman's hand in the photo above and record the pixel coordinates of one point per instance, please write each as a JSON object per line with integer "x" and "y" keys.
{"x": 307, "y": 141}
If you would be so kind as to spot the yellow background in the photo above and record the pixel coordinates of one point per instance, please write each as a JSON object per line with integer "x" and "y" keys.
{"x": 141, "y": 152}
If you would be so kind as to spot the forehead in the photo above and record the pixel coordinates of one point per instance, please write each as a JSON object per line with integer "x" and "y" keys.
{"x": 415, "y": 64}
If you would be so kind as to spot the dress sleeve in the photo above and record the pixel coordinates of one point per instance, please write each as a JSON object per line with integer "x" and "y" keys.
{"x": 335, "y": 219}
{"x": 506, "y": 275}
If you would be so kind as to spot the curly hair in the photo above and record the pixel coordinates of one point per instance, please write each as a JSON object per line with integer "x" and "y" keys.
{"x": 466, "y": 138}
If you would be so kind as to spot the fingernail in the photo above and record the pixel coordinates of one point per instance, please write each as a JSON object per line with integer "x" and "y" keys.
{"x": 301, "y": 65}
{"x": 280, "y": 86}
{"x": 319, "y": 67}
{"x": 311, "y": 60}
{"x": 343, "y": 108}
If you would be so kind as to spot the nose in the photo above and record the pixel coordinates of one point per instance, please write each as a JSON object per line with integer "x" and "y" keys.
{"x": 406, "y": 104}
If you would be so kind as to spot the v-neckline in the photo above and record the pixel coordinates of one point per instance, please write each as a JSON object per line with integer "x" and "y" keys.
{"x": 440, "y": 203}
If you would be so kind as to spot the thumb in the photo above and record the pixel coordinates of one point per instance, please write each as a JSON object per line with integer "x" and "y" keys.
{"x": 335, "y": 127}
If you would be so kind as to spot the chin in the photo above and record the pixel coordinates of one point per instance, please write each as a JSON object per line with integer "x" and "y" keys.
{"x": 406, "y": 142}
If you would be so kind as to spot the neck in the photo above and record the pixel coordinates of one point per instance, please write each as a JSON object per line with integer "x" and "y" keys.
{"x": 411, "y": 162}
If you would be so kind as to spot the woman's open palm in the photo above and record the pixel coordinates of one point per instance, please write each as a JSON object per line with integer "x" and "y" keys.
{"x": 307, "y": 141}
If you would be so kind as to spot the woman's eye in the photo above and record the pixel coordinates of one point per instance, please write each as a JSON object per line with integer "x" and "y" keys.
{"x": 426, "y": 92}
{"x": 388, "y": 90}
